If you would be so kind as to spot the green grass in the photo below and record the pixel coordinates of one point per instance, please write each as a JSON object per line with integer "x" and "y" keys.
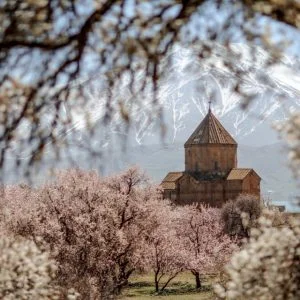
{"x": 141, "y": 287}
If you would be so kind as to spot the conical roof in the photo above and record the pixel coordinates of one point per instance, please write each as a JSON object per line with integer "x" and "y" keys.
{"x": 210, "y": 131}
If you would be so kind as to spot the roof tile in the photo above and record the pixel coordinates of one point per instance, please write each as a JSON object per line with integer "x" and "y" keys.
{"x": 167, "y": 185}
{"x": 238, "y": 174}
{"x": 210, "y": 131}
{"x": 169, "y": 182}
{"x": 173, "y": 176}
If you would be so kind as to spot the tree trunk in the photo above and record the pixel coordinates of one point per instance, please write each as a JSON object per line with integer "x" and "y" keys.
{"x": 156, "y": 285}
{"x": 122, "y": 281}
{"x": 198, "y": 280}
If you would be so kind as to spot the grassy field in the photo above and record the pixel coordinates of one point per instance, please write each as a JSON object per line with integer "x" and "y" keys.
{"x": 141, "y": 287}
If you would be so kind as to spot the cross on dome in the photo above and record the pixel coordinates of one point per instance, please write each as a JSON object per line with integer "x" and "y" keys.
{"x": 209, "y": 105}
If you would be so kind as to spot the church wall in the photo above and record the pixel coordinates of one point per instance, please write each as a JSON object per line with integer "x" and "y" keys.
{"x": 170, "y": 194}
{"x": 207, "y": 192}
{"x": 214, "y": 193}
{"x": 251, "y": 184}
{"x": 233, "y": 189}
{"x": 210, "y": 157}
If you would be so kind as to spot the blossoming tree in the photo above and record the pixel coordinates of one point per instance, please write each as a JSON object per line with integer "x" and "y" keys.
{"x": 165, "y": 252}
{"x": 95, "y": 228}
{"x": 201, "y": 230}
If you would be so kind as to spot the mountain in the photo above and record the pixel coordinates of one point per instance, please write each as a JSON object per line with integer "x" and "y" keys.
{"x": 191, "y": 84}
{"x": 185, "y": 91}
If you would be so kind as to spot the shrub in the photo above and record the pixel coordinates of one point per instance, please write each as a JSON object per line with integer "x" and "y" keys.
{"x": 241, "y": 214}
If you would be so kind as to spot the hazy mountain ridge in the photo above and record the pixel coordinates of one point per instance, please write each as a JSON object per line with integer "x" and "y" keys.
{"x": 187, "y": 93}
{"x": 270, "y": 162}
{"x": 185, "y": 97}
{"x": 189, "y": 84}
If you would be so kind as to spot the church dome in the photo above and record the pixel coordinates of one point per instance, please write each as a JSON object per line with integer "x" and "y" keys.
{"x": 210, "y": 131}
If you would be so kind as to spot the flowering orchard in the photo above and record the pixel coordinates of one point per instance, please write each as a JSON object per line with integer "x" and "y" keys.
{"x": 89, "y": 234}
{"x": 99, "y": 231}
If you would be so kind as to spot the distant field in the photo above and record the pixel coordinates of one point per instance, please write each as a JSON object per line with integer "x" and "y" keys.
{"x": 182, "y": 288}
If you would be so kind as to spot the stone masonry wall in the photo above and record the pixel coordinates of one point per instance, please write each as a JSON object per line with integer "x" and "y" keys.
{"x": 214, "y": 157}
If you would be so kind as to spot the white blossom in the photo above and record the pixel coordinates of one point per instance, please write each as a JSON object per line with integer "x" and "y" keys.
{"x": 290, "y": 130}
{"x": 26, "y": 272}
{"x": 268, "y": 266}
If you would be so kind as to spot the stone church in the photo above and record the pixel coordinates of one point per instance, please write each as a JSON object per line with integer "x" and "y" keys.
{"x": 211, "y": 174}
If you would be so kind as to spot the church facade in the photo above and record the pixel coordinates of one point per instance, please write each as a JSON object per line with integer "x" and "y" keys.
{"x": 211, "y": 174}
